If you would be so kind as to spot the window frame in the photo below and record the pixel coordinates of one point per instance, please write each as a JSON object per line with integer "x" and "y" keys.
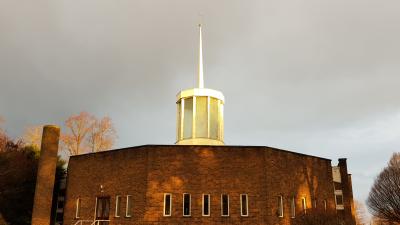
{"x": 170, "y": 204}
{"x": 222, "y": 206}
{"x": 293, "y": 207}
{"x": 241, "y": 205}
{"x": 280, "y": 206}
{"x": 128, "y": 210}
{"x": 339, "y": 194}
{"x": 78, "y": 208}
{"x": 183, "y": 204}
{"x": 117, "y": 211}
{"x": 208, "y": 205}
{"x": 304, "y": 205}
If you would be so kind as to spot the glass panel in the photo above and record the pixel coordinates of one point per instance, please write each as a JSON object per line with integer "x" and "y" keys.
{"x": 167, "y": 205}
{"x": 201, "y": 117}
{"x": 118, "y": 206}
{"x": 188, "y": 118}
{"x": 293, "y": 208}
{"x": 178, "y": 120}
{"x": 244, "y": 204}
{"x": 206, "y": 202}
{"x": 99, "y": 210}
{"x": 128, "y": 205}
{"x": 213, "y": 118}
{"x": 103, "y": 208}
{"x": 304, "y": 205}
{"x": 186, "y": 204}
{"x": 78, "y": 208}
{"x": 339, "y": 199}
{"x": 280, "y": 206}
{"x": 225, "y": 205}
{"x": 106, "y": 212}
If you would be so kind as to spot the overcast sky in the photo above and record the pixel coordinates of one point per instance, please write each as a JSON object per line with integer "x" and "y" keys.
{"x": 315, "y": 76}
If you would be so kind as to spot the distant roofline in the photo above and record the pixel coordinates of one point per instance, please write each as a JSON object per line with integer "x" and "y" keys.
{"x": 183, "y": 146}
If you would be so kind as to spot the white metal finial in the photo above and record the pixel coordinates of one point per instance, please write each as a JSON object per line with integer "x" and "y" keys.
{"x": 200, "y": 75}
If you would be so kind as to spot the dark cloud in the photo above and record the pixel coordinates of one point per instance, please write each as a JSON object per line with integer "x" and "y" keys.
{"x": 318, "y": 77}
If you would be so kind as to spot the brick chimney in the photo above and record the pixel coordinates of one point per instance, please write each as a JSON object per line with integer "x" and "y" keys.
{"x": 46, "y": 176}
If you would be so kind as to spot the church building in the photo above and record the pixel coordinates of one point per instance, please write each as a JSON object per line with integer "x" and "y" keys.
{"x": 198, "y": 180}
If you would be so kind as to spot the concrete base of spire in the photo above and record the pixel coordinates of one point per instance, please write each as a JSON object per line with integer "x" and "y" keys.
{"x": 200, "y": 92}
{"x": 200, "y": 141}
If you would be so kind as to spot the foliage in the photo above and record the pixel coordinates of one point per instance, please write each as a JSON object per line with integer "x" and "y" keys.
{"x": 102, "y": 135}
{"x": 33, "y": 136}
{"x": 86, "y": 133}
{"x": 384, "y": 197}
{"x": 18, "y": 168}
{"x": 3, "y": 136}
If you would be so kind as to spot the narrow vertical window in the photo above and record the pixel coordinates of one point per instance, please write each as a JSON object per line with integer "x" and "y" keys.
{"x": 117, "y": 206}
{"x": 339, "y": 199}
{"x": 280, "y": 206}
{"x": 78, "y": 208}
{"x": 206, "y": 205}
{"x": 188, "y": 118}
{"x": 293, "y": 208}
{"x": 186, "y": 204}
{"x": 224, "y": 205}
{"x": 167, "y": 204}
{"x": 325, "y": 205}
{"x": 304, "y": 205}
{"x": 244, "y": 205}
{"x": 128, "y": 206}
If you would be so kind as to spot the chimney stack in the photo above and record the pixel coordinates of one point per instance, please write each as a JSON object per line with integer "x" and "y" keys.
{"x": 46, "y": 176}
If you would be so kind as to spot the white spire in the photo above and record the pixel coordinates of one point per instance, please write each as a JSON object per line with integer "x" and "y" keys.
{"x": 200, "y": 75}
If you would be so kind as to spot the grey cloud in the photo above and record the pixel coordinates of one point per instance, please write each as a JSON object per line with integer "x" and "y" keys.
{"x": 318, "y": 77}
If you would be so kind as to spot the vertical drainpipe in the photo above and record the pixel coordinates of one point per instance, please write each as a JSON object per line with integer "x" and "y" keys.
{"x": 46, "y": 176}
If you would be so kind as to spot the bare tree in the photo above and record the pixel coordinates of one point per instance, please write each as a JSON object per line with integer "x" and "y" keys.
{"x": 86, "y": 133}
{"x": 77, "y": 129}
{"x": 33, "y": 136}
{"x": 102, "y": 135}
{"x": 3, "y": 136}
{"x": 377, "y": 221}
{"x": 395, "y": 160}
{"x": 384, "y": 197}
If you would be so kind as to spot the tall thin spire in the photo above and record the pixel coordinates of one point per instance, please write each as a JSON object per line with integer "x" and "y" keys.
{"x": 200, "y": 75}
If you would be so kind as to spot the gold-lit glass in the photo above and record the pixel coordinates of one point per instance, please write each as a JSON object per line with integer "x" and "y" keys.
{"x": 188, "y": 118}
{"x": 178, "y": 119}
{"x": 214, "y": 118}
{"x": 201, "y": 117}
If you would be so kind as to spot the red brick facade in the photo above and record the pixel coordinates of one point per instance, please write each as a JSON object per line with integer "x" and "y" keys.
{"x": 147, "y": 172}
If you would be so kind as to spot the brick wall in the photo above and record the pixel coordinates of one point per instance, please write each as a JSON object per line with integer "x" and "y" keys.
{"x": 147, "y": 172}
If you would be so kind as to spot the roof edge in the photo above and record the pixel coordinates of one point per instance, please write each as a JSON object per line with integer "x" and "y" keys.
{"x": 185, "y": 146}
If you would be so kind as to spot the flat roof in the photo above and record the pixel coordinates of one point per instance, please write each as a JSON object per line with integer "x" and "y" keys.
{"x": 183, "y": 146}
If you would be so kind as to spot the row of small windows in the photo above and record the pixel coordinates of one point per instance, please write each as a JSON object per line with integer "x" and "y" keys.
{"x": 104, "y": 204}
{"x": 244, "y": 205}
{"x": 292, "y": 202}
{"x": 206, "y": 199}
